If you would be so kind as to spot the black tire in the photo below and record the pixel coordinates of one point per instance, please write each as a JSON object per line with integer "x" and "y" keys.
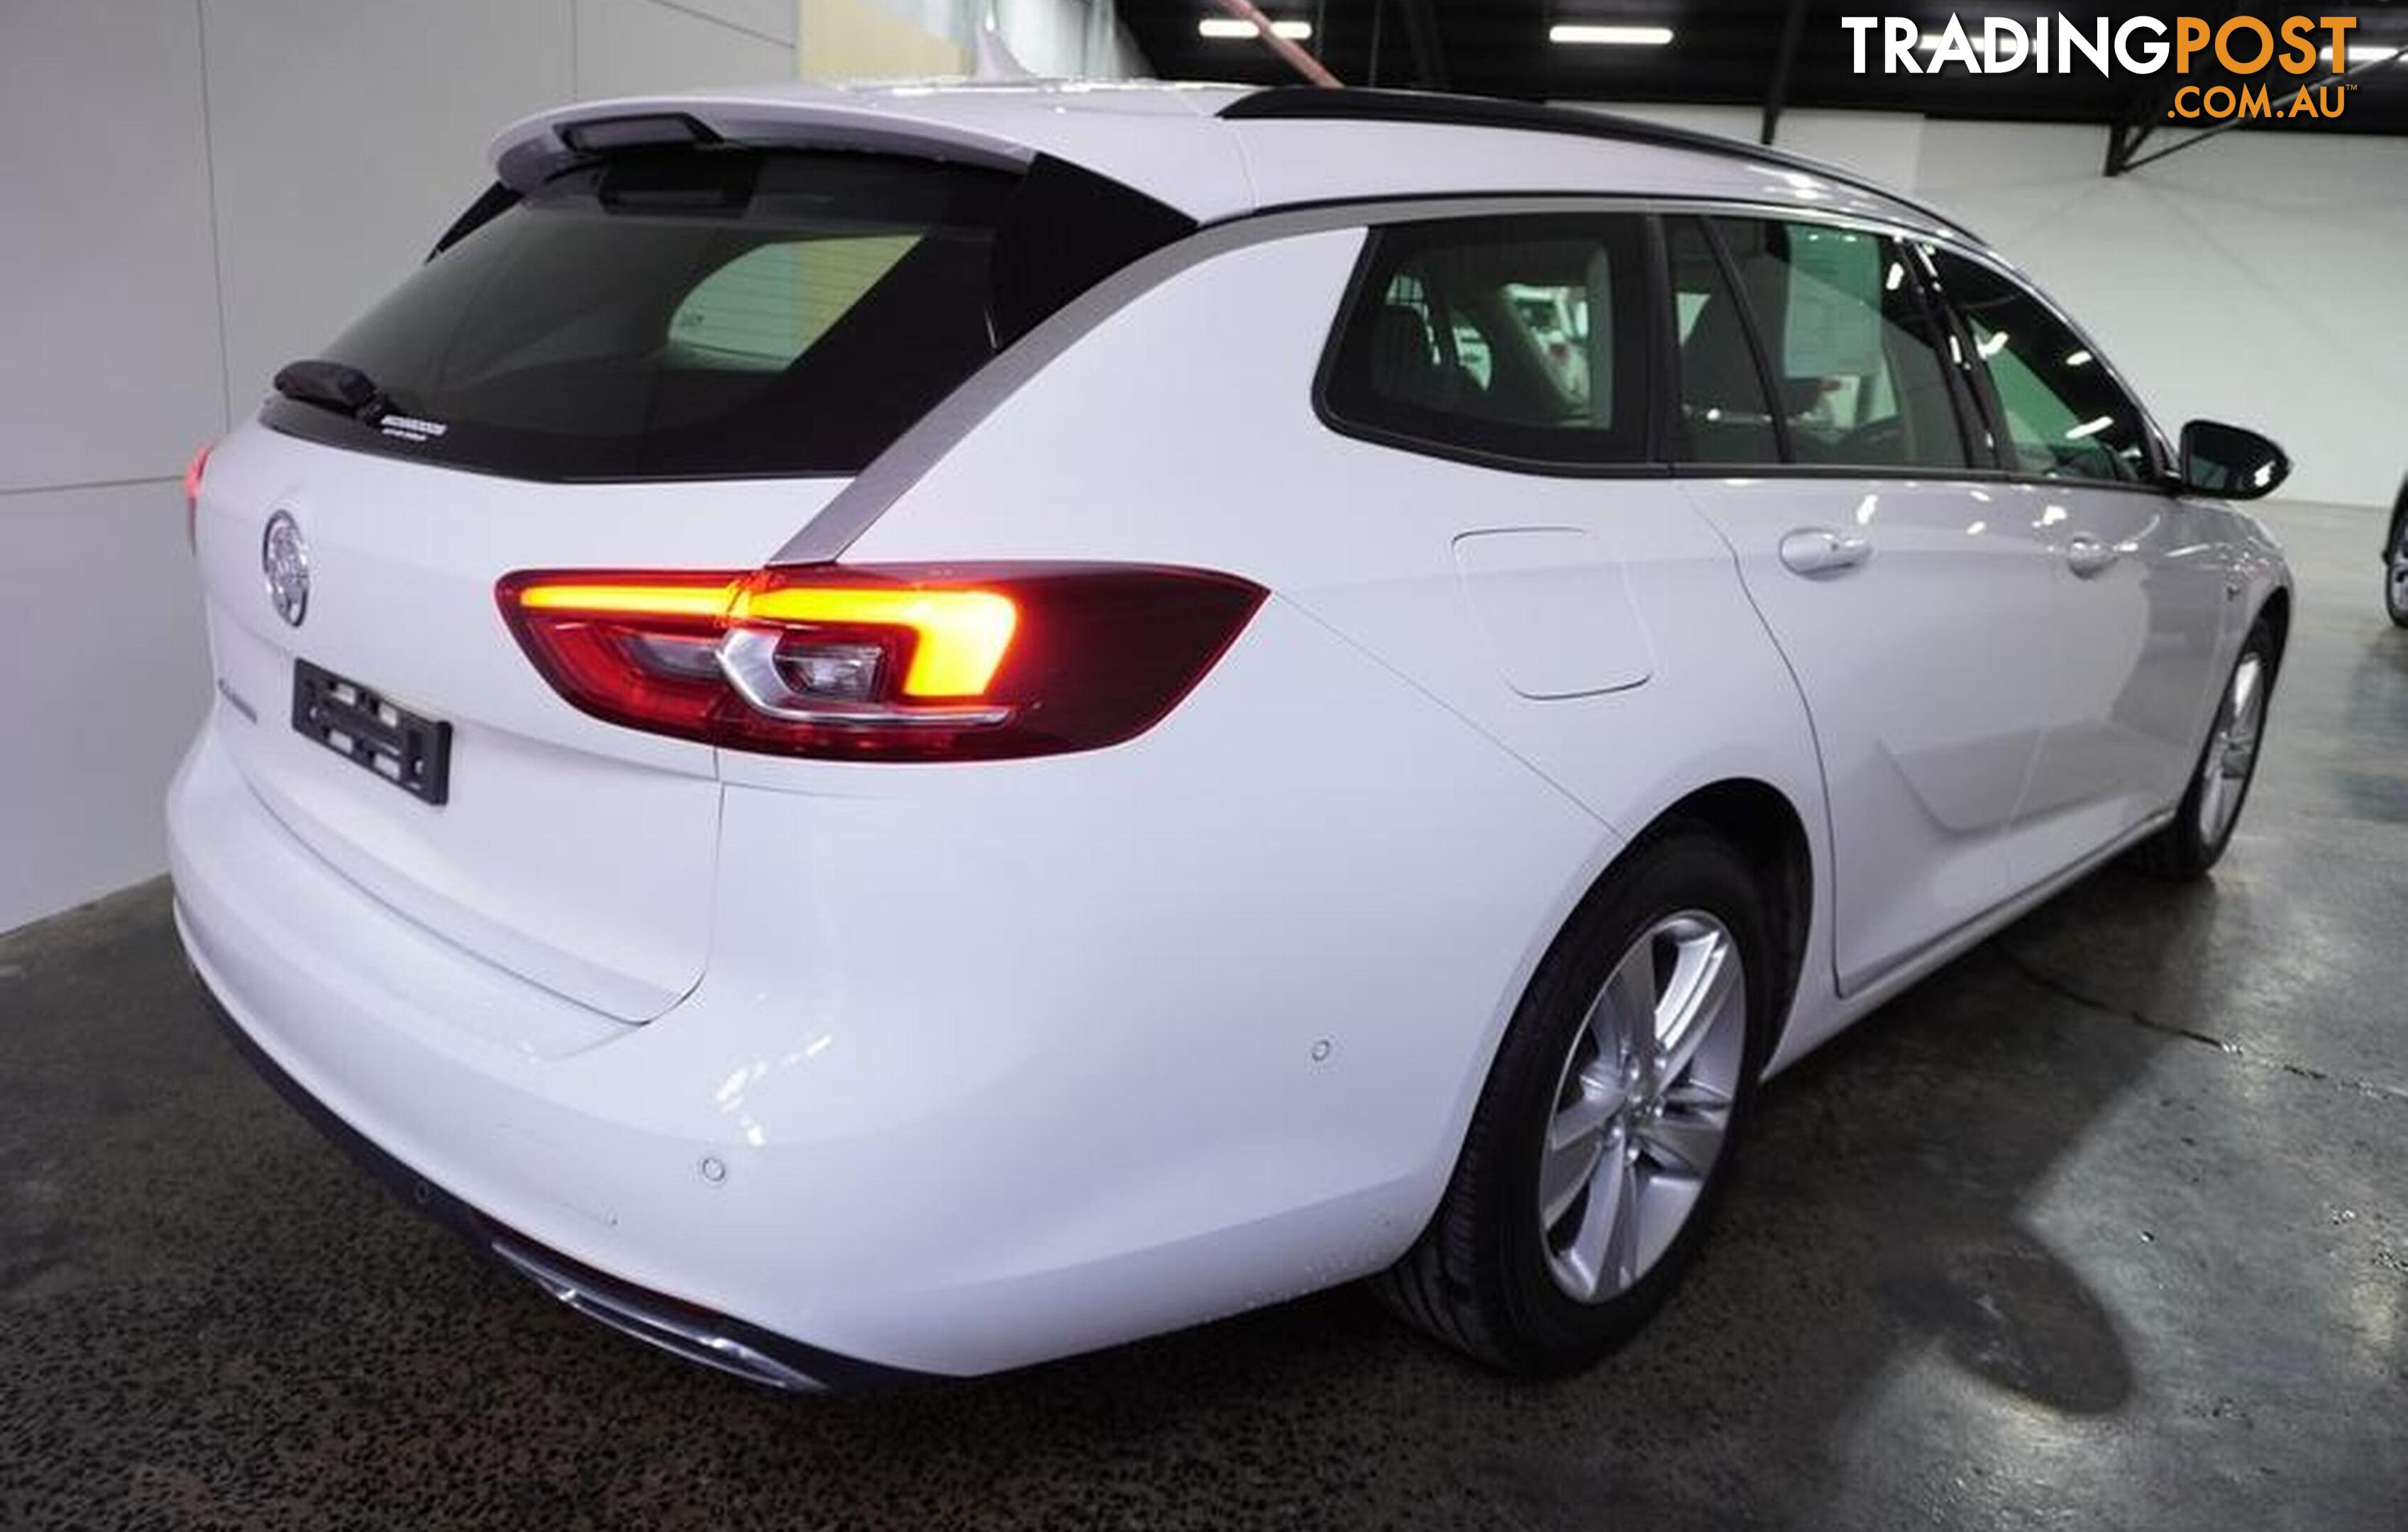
{"x": 1479, "y": 1277}
{"x": 2395, "y": 564}
{"x": 2187, "y": 848}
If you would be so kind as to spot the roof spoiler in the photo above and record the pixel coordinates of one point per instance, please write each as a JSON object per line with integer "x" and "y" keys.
{"x": 531, "y": 151}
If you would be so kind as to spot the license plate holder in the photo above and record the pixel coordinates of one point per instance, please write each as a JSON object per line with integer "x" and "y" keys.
{"x": 409, "y": 749}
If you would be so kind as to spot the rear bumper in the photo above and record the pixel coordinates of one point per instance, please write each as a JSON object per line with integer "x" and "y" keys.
{"x": 458, "y": 1086}
{"x": 683, "y": 1329}
{"x": 987, "y": 1066}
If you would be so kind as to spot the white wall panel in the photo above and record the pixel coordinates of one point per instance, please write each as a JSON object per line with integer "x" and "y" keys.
{"x": 773, "y": 20}
{"x": 1047, "y": 36}
{"x": 111, "y": 301}
{"x": 340, "y": 137}
{"x": 346, "y": 137}
{"x": 2254, "y": 279}
{"x": 1886, "y": 146}
{"x": 630, "y": 47}
{"x": 101, "y": 707}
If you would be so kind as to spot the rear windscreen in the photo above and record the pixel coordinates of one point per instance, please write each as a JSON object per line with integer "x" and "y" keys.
{"x": 688, "y": 314}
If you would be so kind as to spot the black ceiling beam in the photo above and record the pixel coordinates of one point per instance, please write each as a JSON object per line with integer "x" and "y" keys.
{"x": 2134, "y": 162}
{"x": 1429, "y": 48}
{"x": 2144, "y": 113}
{"x": 1793, "y": 28}
{"x": 2124, "y": 137}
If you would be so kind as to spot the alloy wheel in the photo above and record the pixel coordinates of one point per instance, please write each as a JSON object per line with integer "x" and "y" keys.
{"x": 1643, "y": 1106}
{"x": 2232, "y": 749}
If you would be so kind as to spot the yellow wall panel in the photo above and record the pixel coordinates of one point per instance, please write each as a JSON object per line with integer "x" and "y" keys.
{"x": 854, "y": 39}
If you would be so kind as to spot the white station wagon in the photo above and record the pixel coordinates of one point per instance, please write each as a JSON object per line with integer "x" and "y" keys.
{"x": 898, "y": 732}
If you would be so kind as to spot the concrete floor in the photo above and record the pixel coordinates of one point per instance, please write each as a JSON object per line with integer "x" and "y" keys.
{"x": 2106, "y": 1226}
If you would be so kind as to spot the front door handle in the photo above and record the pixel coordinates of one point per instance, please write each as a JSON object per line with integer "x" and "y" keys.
{"x": 2088, "y": 556}
{"x": 1820, "y": 550}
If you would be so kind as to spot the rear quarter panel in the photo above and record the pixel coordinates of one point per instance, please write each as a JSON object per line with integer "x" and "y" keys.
{"x": 1181, "y": 430}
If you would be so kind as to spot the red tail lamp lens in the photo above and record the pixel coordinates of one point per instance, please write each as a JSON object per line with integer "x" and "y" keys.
{"x": 193, "y": 471}
{"x": 895, "y": 662}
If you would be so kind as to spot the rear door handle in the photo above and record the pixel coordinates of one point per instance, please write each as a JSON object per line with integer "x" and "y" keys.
{"x": 2088, "y": 556}
{"x": 1820, "y": 550}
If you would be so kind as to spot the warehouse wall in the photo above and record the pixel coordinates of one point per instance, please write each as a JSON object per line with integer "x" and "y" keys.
{"x": 198, "y": 192}
{"x": 2254, "y": 279}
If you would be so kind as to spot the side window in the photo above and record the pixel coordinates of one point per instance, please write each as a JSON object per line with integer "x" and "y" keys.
{"x": 1521, "y": 339}
{"x": 771, "y": 304}
{"x": 2064, "y": 416}
{"x": 1725, "y": 414}
{"x": 1855, "y": 355}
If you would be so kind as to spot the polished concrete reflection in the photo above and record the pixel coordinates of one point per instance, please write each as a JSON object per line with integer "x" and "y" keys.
{"x": 2105, "y": 1226}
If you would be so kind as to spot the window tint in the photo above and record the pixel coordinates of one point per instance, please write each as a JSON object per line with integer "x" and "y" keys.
{"x": 1859, "y": 369}
{"x": 1724, "y": 416}
{"x": 724, "y": 312}
{"x": 770, "y": 305}
{"x": 2064, "y": 417}
{"x": 1513, "y": 338}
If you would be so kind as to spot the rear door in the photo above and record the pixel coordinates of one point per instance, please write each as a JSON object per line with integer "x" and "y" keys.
{"x": 2141, "y": 594}
{"x": 1830, "y": 441}
{"x": 670, "y": 360}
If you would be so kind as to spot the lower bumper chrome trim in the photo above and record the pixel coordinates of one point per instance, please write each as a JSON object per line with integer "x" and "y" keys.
{"x": 684, "y": 1330}
{"x": 654, "y": 1326}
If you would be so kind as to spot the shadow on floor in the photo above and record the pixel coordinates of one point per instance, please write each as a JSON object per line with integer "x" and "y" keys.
{"x": 276, "y": 1333}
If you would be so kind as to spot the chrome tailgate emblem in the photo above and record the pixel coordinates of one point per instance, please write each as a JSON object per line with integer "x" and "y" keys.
{"x": 285, "y": 559}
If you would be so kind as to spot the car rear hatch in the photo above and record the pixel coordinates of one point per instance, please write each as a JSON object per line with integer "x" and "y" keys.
{"x": 666, "y": 358}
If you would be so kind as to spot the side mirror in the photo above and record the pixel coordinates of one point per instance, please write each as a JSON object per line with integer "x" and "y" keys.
{"x": 2231, "y": 463}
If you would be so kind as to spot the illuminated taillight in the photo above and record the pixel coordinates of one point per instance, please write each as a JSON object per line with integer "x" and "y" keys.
{"x": 893, "y": 661}
{"x": 193, "y": 472}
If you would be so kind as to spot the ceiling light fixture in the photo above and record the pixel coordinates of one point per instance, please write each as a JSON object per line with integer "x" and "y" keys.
{"x": 1623, "y": 36}
{"x": 1228, "y": 28}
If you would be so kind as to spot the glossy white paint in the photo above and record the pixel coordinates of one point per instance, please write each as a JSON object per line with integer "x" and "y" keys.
{"x": 1929, "y": 675}
{"x": 1554, "y": 604}
{"x": 1002, "y": 1062}
{"x": 403, "y": 561}
{"x": 2136, "y": 646}
{"x": 1005, "y": 1061}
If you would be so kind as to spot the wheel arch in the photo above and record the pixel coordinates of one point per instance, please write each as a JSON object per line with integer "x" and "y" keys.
{"x": 1757, "y": 819}
{"x": 1766, "y": 827}
{"x": 2276, "y": 614}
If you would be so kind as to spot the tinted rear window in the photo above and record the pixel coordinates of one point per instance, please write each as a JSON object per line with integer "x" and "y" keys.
{"x": 1520, "y": 341}
{"x": 691, "y": 314}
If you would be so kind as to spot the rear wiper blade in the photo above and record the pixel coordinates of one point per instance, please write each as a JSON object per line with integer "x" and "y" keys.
{"x": 332, "y": 385}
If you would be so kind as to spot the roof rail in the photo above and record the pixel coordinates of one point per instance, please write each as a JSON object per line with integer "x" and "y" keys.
{"x": 1306, "y": 103}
